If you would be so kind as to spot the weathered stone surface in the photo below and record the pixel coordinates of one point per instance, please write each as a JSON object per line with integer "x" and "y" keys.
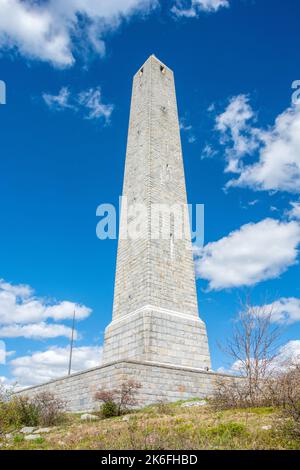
{"x": 43, "y": 430}
{"x": 159, "y": 382}
{"x": 190, "y": 404}
{"x": 27, "y": 429}
{"x": 32, "y": 437}
{"x": 266, "y": 427}
{"x": 155, "y": 314}
{"x": 88, "y": 417}
{"x": 160, "y": 336}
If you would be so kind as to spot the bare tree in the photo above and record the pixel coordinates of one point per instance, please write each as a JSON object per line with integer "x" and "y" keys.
{"x": 124, "y": 397}
{"x": 253, "y": 345}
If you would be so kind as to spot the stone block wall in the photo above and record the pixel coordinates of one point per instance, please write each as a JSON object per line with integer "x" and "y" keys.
{"x": 159, "y": 382}
{"x": 158, "y": 335}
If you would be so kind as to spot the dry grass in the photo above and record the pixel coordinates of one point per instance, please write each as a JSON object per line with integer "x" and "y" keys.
{"x": 170, "y": 427}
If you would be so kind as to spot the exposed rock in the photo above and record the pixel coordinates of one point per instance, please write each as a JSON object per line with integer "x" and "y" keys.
{"x": 88, "y": 417}
{"x": 27, "y": 430}
{"x": 125, "y": 418}
{"x": 32, "y": 437}
{"x": 194, "y": 403}
{"x": 42, "y": 430}
{"x": 266, "y": 428}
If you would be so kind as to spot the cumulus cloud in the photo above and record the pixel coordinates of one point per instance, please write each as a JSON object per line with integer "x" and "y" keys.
{"x": 235, "y": 127}
{"x": 42, "y": 366}
{"x": 283, "y": 311}
{"x": 88, "y": 103}
{"x": 277, "y": 167}
{"x": 19, "y": 305}
{"x": 50, "y": 31}
{"x": 288, "y": 355}
{"x": 55, "y": 31}
{"x": 192, "y": 8}
{"x": 2, "y": 352}
{"x": 24, "y": 314}
{"x": 36, "y": 331}
{"x": 253, "y": 253}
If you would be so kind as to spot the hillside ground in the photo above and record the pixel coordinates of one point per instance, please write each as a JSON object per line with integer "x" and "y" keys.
{"x": 166, "y": 427}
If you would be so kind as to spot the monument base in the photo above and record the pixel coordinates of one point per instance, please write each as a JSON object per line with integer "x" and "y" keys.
{"x": 151, "y": 334}
{"x": 159, "y": 382}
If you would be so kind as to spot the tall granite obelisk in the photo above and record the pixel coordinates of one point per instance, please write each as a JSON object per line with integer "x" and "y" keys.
{"x": 155, "y": 313}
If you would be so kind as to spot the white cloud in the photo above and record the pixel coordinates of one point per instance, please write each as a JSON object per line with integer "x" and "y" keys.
{"x": 92, "y": 101}
{"x": 47, "y": 365}
{"x": 188, "y": 129}
{"x": 185, "y": 127}
{"x": 294, "y": 213}
{"x": 23, "y": 314}
{"x": 35, "y": 331}
{"x": 20, "y": 290}
{"x": 55, "y": 31}
{"x": 5, "y": 384}
{"x": 235, "y": 127}
{"x": 278, "y": 164}
{"x": 289, "y": 353}
{"x": 88, "y": 103}
{"x": 193, "y": 8}
{"x": 18, "y": 305}
{"x": 253, "y": 253}
{"x": 60, "y": 101}
{"x": 50, "y": 31}
{"x": 208, "y": 152}
{"x": 253, "y": 203}
{"x": 2, "y": 352}
{"x": 284, "y": 311}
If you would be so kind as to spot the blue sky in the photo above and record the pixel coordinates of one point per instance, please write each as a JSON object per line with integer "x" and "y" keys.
{"x": 68, "y": 72}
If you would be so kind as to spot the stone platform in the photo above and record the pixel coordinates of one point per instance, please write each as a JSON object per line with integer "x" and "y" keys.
{"x": 159, "y": 382}
{"x": 151, "y": 333}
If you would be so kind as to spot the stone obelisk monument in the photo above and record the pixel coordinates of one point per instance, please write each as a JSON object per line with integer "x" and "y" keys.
{"x": 155, "y": 313}
{"x": 156, "y": 336}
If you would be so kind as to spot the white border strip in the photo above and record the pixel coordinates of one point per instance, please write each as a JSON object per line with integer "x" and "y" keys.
{"x": 159, "y": 310}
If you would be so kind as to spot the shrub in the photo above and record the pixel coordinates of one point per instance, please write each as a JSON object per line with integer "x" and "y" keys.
{"x": 50, "y": 409}
{"x": 123, "y": 398}
{"x": 25, "y": 411}
{"x": 109, "y": 409}
{"x": 228, "y": 430}
{"x": 42, "y": 409}
{"x": 164, "y": 408}
{"x": 19, "y": 438}
{"x": 281, "y": 390}
{"x": 234, "y": 393}
{"x": 284, "y": 392}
